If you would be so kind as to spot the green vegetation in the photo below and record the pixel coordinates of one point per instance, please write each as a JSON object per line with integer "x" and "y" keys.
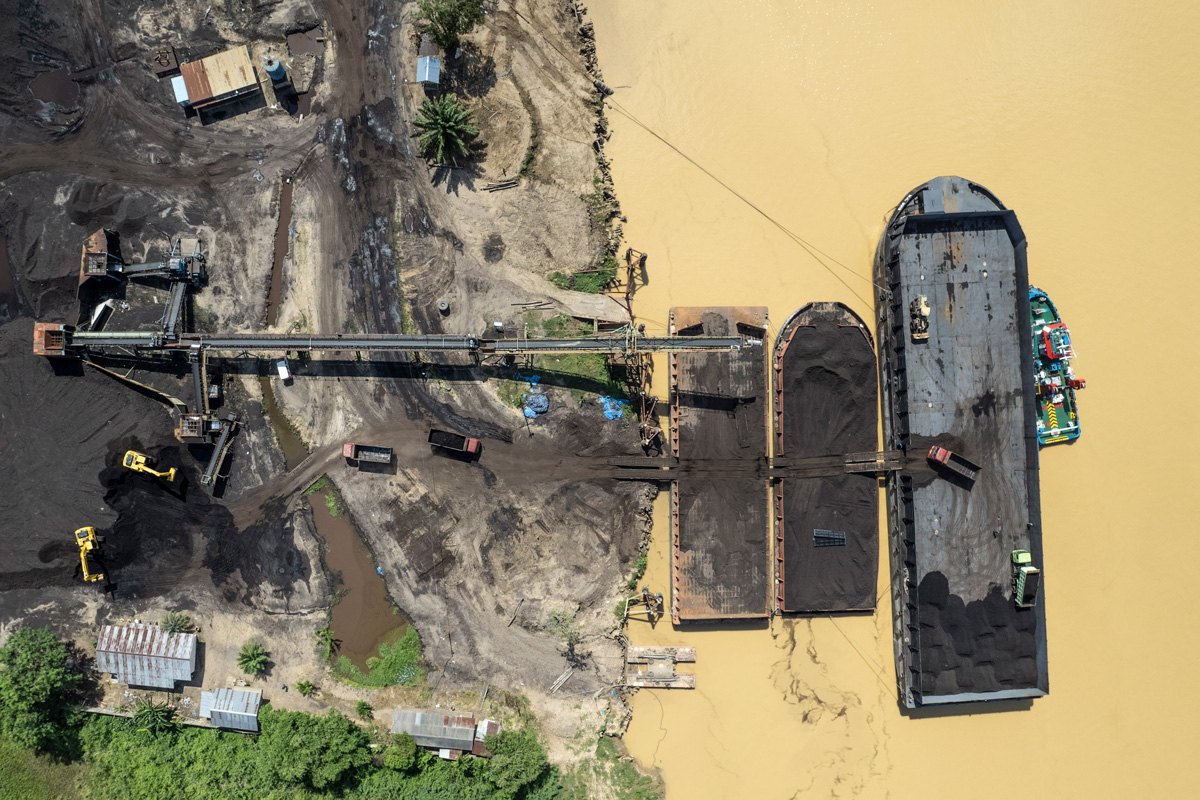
{"x": 31, "y": 777}
{"x": 593, "y": 281}
{"x": 253, "y": 658}
{"x": 176, "y": 622}
{"x": 446, "y": 129}
{"x": 620, "y": 778}
{"x": 364, "y": 710}
{"x": 401, "y": 755}
{"x": 535, "y": 140}
{"x": 591, "y": 367}
{"x": 306, "y": 688}
{"x": 639, "y": 569}
{"x": 39, "y": 690}
{"x": 327, "y": 642}
{"x": 447, "y": 20}
{"x": 154, "y": 718}
{"x": 316, "y": 486}
{"x": 333, "y": 502}
{"x": 398, "y": 663}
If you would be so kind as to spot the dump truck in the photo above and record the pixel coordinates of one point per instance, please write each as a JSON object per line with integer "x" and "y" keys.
{"x": 140, "y": 462}
{"x": 357, "y": 454}
{"x": 1025, "y": 579}
{"x": 454, "y": 442}
{"x": 941, "y": 457}
{"x": 89, "y": 547}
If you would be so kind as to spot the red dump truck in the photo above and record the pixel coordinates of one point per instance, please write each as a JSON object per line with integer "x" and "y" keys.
{"x": 358, "y": 454}
{"x": 940, "y": 456}
{"x": 454, "y": 442}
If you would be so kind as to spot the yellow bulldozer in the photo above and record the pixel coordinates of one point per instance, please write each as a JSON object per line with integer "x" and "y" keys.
{"x": 140, "y": 462}
{"x": 89, "y": 548}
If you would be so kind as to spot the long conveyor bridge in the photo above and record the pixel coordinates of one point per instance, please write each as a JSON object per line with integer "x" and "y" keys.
{"x": 62, "y": 340}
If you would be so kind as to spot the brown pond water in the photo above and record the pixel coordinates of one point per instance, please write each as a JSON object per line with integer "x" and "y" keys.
{"x": 364, "y": 617}
{"x": 1080, "y": 116}
{"x": 57, "y": 87}
{"x": 282, "y": 228}
{"x": 293, "y": 447}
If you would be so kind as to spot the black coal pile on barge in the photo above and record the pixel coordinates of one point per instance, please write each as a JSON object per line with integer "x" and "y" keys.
{"x": 826, "y": 401}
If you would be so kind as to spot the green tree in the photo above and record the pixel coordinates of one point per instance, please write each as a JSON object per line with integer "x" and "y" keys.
{"x": 320, "y": 752}
{"x": 401, "y": 755}
{"x": 518, "y": 767}
{"x": 38, "y": 691}
{"x": 364, "y": 710}
{"x": 446, "y": 20}
{"x": 176, "y": 622}
{"x": 253, "y": 658}
{"x": 327, "y": 641}
{"x": 446, "y": 129}
{"x": 154, "y": 718}
{"x": 306, "y": 688}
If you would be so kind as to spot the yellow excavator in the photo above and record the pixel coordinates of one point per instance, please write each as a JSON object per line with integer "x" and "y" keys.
{"x": 89, "y": 547}
{"x": 140, "y": 462}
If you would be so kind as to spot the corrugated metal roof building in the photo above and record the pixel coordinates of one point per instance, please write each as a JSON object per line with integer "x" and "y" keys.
{"x": 143, "y": 654}
{"x": 436, "y": 729}
{"x": 219, "y": 77}
{"x": 236, "y": 709}
{"x": 429, "y": 63}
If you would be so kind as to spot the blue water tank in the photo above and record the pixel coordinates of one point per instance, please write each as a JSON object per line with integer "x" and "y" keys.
{"x": 274, "y": 68}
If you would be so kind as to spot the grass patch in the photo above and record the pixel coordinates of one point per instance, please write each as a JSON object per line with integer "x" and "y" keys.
{"x": 333, "y": 503}
{"x": 593, "y": 281}
{"x": 592, "y": 368}
{"x": 317, "y": 486}
{"x": 563, "y": 327}
{"x": 510, "y": 391}
{"x": 398, "y": 664}
{"x": 32, "y": 777}
{"x": 606, "y": 774}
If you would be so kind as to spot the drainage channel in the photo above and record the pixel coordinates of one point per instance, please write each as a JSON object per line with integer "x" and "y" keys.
{"x": 294, "y": 450}
{"x": 281, "y": 250}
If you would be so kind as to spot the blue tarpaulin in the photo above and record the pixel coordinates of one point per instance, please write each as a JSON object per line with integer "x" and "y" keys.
{"x": 613, "y": 408}
{"x": 536, "y": 404}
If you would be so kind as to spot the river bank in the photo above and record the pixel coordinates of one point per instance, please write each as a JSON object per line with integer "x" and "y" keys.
{"x": 1077, "y": 118}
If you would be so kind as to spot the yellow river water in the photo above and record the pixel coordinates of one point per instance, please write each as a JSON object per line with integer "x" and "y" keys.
{"x": 1084, "y": 117}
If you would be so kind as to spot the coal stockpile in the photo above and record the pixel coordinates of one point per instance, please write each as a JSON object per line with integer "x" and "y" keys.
{"x": 826, "y": 404}
{"x": 720, "y": 526}
{"x": 985, "y": 645}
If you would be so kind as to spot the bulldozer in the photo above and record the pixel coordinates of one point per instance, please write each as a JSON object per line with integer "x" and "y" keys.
{"x": 140, "y": 462}
{"x": 89, "y": 547}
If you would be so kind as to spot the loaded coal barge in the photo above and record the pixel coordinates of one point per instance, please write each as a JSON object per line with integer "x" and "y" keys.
{"x": 957, "y": 377}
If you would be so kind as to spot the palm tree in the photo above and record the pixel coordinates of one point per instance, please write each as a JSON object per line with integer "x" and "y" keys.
{"x": 445, "y": 129}
{"x": 306, "y": 688}
{"x": 176, "y": 622}
{"x": 328, "y": 642}
{"x": 154, "y": 717}
{"x": 252, "y": 658}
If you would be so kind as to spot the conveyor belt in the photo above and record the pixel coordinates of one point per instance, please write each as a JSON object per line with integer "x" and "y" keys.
{"x": 246, "y": 343}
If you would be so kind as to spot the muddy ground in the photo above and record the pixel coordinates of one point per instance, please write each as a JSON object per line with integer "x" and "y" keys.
{"x": 478, "y": 555}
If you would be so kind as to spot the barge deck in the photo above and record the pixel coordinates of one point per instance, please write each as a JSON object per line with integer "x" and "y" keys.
{"x": 967, "y": 387}
{"x": 720, "y": 539}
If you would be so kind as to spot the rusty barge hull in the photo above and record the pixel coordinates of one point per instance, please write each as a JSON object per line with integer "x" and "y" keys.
{"x": 720, "y": 526}
{"x": 968, "y": 387}
{"x": 826, "y": 402}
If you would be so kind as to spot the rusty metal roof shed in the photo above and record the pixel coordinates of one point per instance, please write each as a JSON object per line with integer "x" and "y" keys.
{"x": 218, "y": 77}
{"x": 436, "y": 729}
{"x": 236, "y": 709}
{"x": 143, "y": 654}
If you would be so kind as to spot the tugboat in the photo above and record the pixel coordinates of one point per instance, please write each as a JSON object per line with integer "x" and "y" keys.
{"x": 1058, "y": 415}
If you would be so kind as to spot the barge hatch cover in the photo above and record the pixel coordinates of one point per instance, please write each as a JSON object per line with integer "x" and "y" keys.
{"x": 969, "y": 388}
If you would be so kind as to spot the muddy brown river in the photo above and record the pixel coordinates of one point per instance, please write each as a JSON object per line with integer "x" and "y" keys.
{"x": 1082, "y": 117}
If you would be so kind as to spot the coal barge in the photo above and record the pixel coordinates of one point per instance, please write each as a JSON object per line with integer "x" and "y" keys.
{"x": 957, "y": 375}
